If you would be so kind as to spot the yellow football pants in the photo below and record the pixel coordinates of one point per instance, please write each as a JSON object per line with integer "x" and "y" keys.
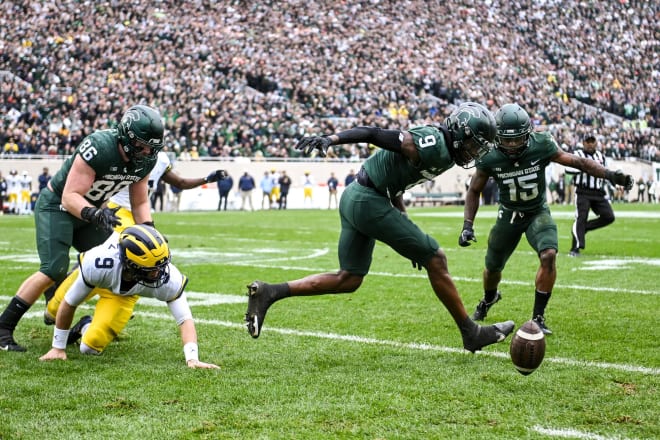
{"x": 112, "y": 312}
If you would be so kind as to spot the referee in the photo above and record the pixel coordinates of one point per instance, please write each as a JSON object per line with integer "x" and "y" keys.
{"x": 589, "y": 195}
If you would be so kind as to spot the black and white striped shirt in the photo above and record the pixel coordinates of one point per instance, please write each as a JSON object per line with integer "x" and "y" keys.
{"x": 584, "y": 180}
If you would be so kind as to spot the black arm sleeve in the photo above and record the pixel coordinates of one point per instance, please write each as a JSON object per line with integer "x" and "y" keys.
{"x": 386, "y": 139}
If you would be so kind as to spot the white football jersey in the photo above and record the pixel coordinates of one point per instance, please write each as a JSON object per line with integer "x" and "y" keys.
{"x": 163, "y": 165}
{"x": 101, "y": 267}
{"x": 25, "y": 183}
{"x": 13, "y": 183}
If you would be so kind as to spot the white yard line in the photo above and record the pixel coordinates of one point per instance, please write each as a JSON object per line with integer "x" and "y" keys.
{"x": 574, "y": 433}
{"x": 208, "y": 299}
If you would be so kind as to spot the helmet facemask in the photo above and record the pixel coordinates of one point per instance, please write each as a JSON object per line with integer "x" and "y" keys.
{"x": 472, "y": 129}
{"x": 141, "y": 133}
{"x": 513, "y": 129}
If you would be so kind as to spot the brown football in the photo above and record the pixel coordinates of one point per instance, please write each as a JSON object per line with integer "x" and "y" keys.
{"x": 527, "y": 348}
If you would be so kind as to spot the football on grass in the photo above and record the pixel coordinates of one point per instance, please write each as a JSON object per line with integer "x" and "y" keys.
{"x": 527, "y": 348}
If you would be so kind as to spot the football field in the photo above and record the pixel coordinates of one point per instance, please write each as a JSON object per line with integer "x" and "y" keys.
{"x": 385, "y": 362}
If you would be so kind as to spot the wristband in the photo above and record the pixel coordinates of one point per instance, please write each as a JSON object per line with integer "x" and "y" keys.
{"x": 59, "y": 338}
{"x": 190, "y": 351}
{"x": 151, "y": 223}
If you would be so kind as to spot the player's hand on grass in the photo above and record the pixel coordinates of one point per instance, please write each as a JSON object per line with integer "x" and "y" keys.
{"x": 53, "y": 355}
{"x": 193, "y": 363}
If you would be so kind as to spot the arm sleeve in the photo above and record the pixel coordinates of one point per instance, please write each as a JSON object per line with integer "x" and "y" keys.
{"x": 386, "y": 139}
{"x": 180, "y": 309}
{"x": 77, "y": 292}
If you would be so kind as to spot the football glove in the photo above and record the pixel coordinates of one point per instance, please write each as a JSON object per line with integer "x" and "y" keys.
{"x": 467, "y": 235}
{"x": 215, "y": 176}
{"x": 618, "y": 178}
{"x": 309, "y": 144}
{"x": 104, "y": 218}
{"x": 417, "y": 265}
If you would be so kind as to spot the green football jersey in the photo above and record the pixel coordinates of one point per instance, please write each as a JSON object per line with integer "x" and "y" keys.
{"x": 100, "y": 151}
{"x": 521, "y": 182}
{"x": 392, "y": 173}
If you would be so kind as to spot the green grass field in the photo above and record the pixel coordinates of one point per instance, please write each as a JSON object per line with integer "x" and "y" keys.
{"x": 383, "y": 363}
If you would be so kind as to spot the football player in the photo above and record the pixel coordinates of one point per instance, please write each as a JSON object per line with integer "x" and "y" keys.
{"x": 70, "y": 212}
{"x": 121, "y": 307}
{"x": 518, "y": 165}
{"x": 373, "y": 210}
{"x": 135, "y": 262}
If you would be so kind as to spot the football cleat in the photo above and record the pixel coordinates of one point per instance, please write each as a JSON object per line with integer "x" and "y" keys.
{"x": 76, "y": 331}
{"x": 261, "y": 296}
{"x": 482, "y": 336}
{"x": 482, "y": 308}
{"x": 574, "y": 253}
{"x": 540, "y": 321}
{"x": 7, "y": 342}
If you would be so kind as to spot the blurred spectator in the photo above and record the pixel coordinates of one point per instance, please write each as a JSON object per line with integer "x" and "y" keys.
{"x": 333, "y": 183}
{"x": 44, "y": 178}
{"x": 266, "y": 184}
{"x": 228, "y": 93}
{"x": 224, "y": 188}
{"x": 350, "y": 177}
{"x": 285, "y": 185}
{"x": 246, "y": 185}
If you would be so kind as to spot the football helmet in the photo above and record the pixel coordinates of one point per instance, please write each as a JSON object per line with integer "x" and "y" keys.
{"x": 141, "y": 126}
{"x": 513, "y": 129}
{"x": 145, "y": 255}
{"x": 473, "y": 129}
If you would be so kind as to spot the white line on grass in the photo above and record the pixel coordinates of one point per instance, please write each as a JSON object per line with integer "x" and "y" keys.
{"x": 465, "y": 279}
{"x": 397, "y": 344}
{"x": 574, "y": 433}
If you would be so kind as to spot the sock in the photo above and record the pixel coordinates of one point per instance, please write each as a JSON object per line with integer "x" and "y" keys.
{"x": 281, "y": 290}
{"x": 13, "y": 313}
{"x": 468, "y": 326}
{"x": 540, "y": 301}
{"x": 489, "y": 295}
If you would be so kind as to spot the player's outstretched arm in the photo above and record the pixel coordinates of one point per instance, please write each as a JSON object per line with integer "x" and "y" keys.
{"x": 190, "y": 349}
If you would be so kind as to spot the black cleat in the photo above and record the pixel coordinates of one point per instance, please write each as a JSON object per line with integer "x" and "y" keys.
{"x": 487, "y": 335}
{"x": 261, "y": 296}
{"x": 574, "y": 253}
{"x": 7, "y": 342}
{"x": 48, "y": 318}
{"x": 483, "y": 307}
{"x": 540, "y": 321}
{"x": 76, "y": 331}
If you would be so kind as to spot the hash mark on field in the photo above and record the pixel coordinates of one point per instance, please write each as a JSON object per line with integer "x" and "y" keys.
{"x": 573, "y": 433}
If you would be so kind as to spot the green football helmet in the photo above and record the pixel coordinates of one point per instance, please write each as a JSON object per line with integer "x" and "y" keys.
{"x": 513, "y": 129}
{"x": 141, "y": 126}
{"x": 473, "y": 129}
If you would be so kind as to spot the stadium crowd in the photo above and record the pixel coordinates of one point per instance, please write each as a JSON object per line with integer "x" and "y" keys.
{"x": 245, "y": 78}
